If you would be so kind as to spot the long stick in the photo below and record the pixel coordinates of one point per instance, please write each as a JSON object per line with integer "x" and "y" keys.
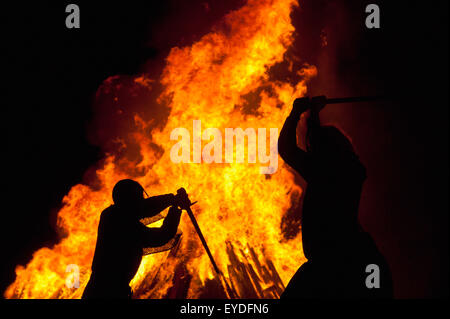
{"x": 354, "y": 99}
{"x": 199, "y": 232}
{"x": 230, "y": 293}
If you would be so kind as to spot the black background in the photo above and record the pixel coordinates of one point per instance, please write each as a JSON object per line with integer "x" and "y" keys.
{"x": 52, "y": 74}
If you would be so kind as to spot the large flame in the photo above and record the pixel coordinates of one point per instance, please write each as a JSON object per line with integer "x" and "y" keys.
{"x": 239, "y": 210}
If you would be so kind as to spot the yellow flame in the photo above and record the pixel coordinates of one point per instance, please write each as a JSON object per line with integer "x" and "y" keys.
{"x": 237, "y": 204}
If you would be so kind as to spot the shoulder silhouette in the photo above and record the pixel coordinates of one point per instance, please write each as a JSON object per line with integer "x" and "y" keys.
{"x": 337, "y": 249}
{"x": 122, "y": 237}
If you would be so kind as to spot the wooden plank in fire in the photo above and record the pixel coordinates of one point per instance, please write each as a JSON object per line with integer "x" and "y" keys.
{"x": 151, "y": 280}
{"x": 268, "y": 272}
{"x": 213, "y": 289}
{"x": 181, "y": 281}
{"x": 245, "y": 288}
{"x": 231, "y": 254}
{"x": 237, "y": 271}
{"x": 249, "y": 287}
{"x": 229, "y": 290}
{"x": 271, "y": 292}
{"x": 147, "y": 284}
{"x": 233, "y": 286}
{"x": 266, "y": 275}
{"x": 274, "y": 272}
{"x": 231, "y": 271}
{"x": 275, "y": 277}
{"x": 256, "y": 281}
{"x": 235, "y": 282}
{"x": 248, "y": 282}
{"x": 255, "y": 260}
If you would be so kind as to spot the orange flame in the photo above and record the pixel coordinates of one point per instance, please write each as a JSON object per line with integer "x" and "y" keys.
{"x": 236, "y": 204}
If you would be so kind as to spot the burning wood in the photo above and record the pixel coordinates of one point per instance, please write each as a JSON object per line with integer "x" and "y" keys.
{"x": 241, "y": 278}
{"x": 207, "y": 81}
{"x": 250, "y": 285}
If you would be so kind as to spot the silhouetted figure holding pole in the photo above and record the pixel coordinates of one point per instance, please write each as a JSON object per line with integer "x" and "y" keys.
{"x": 122, "y": 237}
{"x": 340, "y": 254}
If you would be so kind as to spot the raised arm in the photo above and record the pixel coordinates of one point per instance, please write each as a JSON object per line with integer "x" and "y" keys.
{"x": 156, "y": 204}
{"x": 287, "y": 142}
{"x": 313, "y": 121}
{"x": 155, "y": 237}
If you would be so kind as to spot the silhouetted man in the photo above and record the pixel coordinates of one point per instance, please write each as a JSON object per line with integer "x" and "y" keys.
{"x": 122, "y": 237}
{"x": 337, "y": 249}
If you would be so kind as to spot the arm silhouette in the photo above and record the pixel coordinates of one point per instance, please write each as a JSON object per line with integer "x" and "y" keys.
{"x": 156, "y": 204}
{"x": 155, "y": 237}
{"x": 295, "y": 157}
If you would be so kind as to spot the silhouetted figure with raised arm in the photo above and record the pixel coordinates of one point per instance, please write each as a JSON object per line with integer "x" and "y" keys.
{"x": 341, "y": 256}
{"x": 122, "y": 237}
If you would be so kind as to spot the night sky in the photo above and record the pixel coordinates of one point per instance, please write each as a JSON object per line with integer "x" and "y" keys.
{"x": 52, "y": 74}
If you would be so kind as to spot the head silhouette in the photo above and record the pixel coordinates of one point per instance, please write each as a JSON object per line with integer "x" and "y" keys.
{"x": 127, "y": 193}
{"x": 330, "y": 141}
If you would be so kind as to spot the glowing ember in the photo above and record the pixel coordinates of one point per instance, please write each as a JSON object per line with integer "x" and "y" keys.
{"x": 239, "y": 209}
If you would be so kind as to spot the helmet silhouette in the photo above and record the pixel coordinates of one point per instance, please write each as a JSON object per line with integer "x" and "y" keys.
{"x": 127, "y": 192}
{"x": 329, "y": 139}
